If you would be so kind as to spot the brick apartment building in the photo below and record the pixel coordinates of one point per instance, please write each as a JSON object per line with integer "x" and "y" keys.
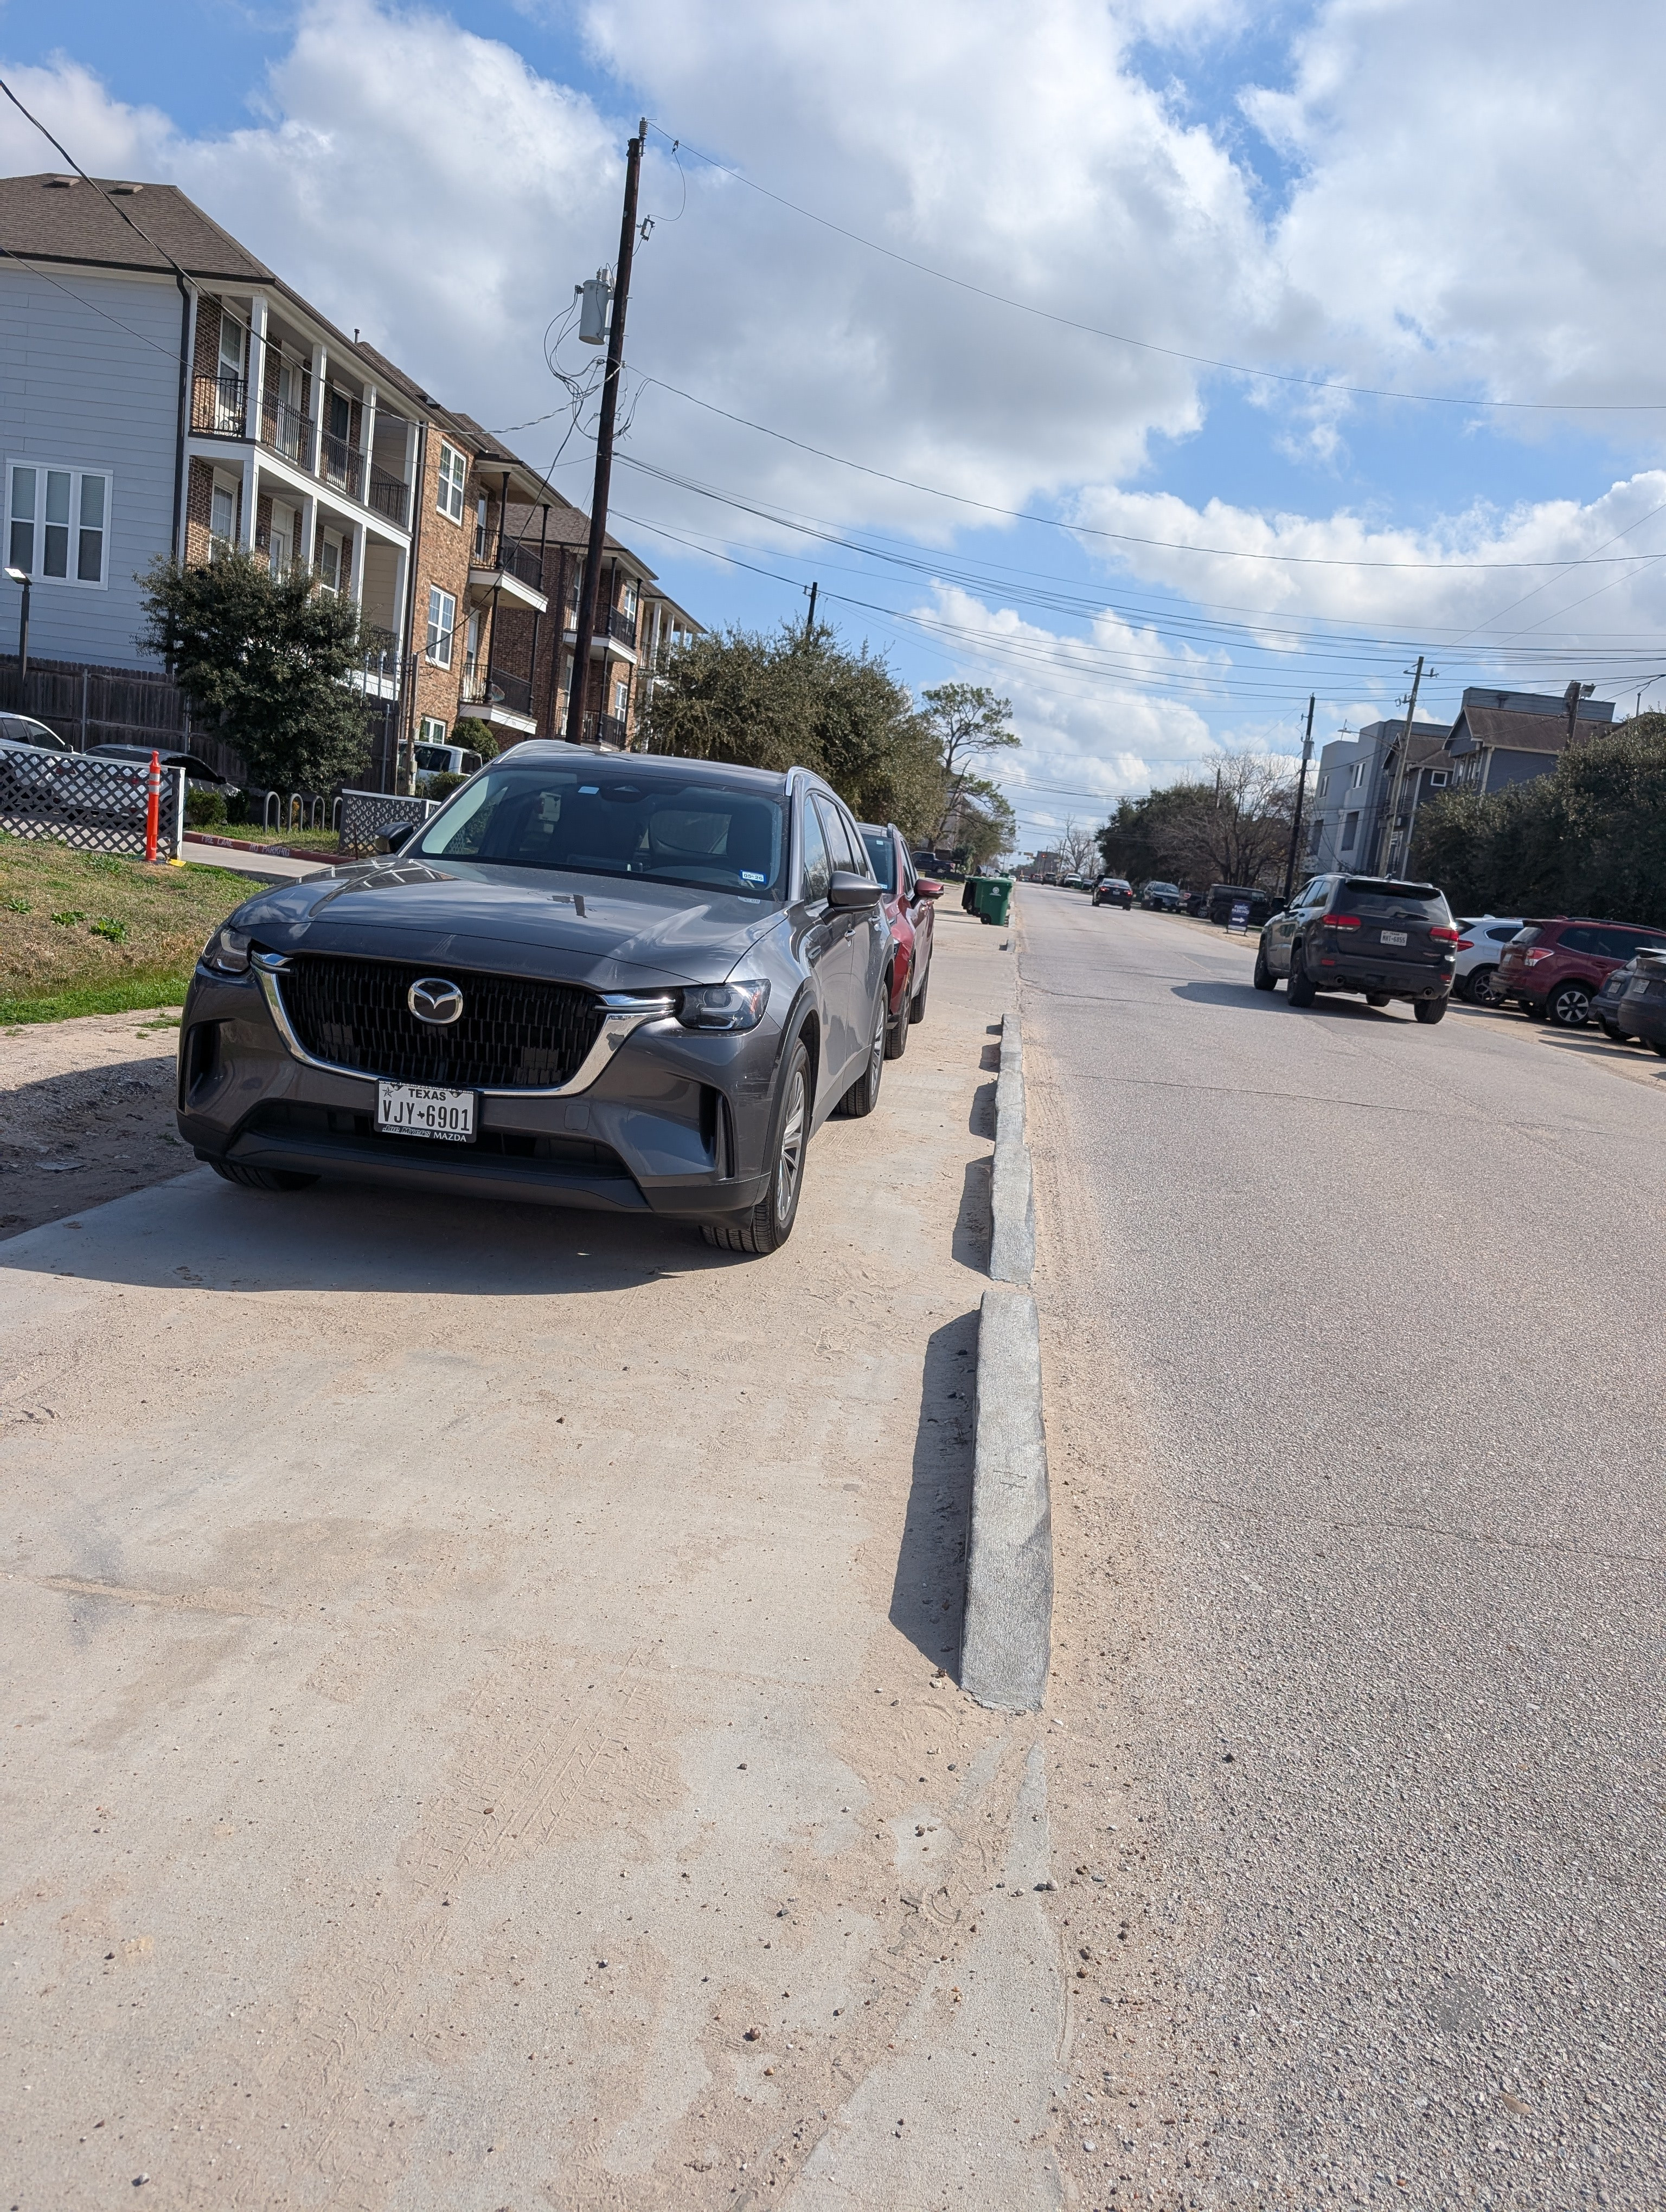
{"x": 168, "y": 393}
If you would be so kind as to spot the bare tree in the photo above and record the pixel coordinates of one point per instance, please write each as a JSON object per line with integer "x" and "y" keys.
{"x": 1077, "y": 848}
{"x": 1233, "y": 829}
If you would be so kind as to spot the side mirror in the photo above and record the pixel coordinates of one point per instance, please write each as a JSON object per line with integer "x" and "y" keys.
{"x": 927, "y": 889}
{"x": 848, "y": 889}
{"x": 395, "y": 834}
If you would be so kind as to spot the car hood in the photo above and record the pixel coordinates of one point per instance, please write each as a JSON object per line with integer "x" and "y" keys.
{"x": 571, "y": 928}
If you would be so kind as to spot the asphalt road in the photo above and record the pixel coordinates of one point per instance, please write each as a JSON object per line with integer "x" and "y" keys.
{"x": 1354, "y": 1332}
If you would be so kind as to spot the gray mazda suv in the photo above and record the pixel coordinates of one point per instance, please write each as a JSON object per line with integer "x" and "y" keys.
{"x": 617, "y": 981}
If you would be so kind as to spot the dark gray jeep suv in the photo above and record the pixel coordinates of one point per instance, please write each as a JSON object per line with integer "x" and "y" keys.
{"x": 617, "y": 981}
{"x": 1368, "y": 934}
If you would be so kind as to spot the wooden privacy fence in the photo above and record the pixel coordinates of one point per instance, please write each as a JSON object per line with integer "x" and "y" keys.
{"x": 93, "y": 706}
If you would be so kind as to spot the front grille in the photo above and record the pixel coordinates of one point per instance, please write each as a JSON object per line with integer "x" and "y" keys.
{"x": 512, "y": 1034}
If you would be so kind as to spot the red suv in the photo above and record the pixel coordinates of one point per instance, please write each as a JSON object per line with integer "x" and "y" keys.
{"x": 908, "y": 903}
{"x": 1556, "y": 967}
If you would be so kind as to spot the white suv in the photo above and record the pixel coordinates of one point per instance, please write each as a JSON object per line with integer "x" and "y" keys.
{"x": 1483, "y": 937}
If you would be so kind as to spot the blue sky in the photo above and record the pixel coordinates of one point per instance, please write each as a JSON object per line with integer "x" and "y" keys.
{"x": 1330, "y": 192}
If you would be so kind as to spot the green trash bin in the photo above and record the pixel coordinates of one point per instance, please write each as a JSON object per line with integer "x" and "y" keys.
{"x": 994, "y": 898}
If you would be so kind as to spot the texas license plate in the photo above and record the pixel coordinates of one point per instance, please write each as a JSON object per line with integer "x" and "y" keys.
{"x": 423, "y": 1110}
{"x": 1394, "y": 937}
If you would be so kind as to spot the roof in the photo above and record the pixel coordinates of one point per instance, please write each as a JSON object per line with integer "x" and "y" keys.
{"x": 50, "y": 217}
{"x": 1512, "y": 731}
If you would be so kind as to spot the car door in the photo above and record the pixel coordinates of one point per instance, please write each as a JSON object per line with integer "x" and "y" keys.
{"x": 1279, "y": 931}
{"x": 864, "y": 933}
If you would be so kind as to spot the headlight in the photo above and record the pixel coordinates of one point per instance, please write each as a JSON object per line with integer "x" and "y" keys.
{"x": 227, "y": 949}
{"x": 723, "y": 1007}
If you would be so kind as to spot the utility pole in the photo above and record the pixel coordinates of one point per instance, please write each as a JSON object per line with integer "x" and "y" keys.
{"x": 593, "y": 559}
{"x": 810, "y": 622}
{"x": 1301, "y": 794}
{"x": 1387, "y": 853}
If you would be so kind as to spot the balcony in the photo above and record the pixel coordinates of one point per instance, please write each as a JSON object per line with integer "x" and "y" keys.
{"x": 217, "y": 404}
{"x": 614, "y": 629}
{"x": 501, "y": 698}
{"x": 288, "y": 431}
{"x": 607, "y": 730}
{"x": 378, "y": 675}
{"x": 508, "y": 567}
{"x": 389, "y": 496}
{"x": 622, "y": 626}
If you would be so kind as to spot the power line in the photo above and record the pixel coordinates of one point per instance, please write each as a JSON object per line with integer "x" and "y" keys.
{"x": 1087, "y": 529}
{"x": 1168, "y": 353}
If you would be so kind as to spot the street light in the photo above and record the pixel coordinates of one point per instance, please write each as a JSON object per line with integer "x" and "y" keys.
{"x": 1648, "y": 684}
{"x": 22, "y": 576}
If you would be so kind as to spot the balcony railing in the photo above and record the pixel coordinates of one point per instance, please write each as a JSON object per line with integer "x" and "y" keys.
{"x": 389, "y": 496}
{"x": 381, "y": 650}
{"x": 606, "y": 730}
{"x": 217, "y": 404}
{"x": 512, "y": 692}
{"x": 288, "y": 431}
{"x": 622, "y": 626}
{"x": 511, "y": 557}
{"x": 341, "y": 466}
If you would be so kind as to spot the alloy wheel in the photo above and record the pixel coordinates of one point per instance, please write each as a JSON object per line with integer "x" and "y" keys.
{"x": 790, "y": 1160}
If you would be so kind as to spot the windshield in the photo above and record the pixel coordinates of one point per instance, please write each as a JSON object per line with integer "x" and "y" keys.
{"x": 600, "y": 821}
{"x": 1380, "y": 902}
{"x": 882, "y": 856}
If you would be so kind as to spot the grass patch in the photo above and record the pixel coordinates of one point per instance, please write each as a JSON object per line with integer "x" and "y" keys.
{"x": 299, "y": 840}
{"x": 97, "y": 933}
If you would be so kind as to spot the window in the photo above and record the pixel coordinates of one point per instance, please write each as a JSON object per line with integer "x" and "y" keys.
{"x": 622, "y": 698}
{"x": 1438, "y": 778}
{"x": 844, "y": 846}
{"x": 1359, "y": 775}
{"x": 882, "y": 856}
{"x": 59, "y": 522}
{"x": 818, "y": 868}
{"x": 628, "y": 601}
{"x": 222, "y": 517}
{"x": 1503, "y": 936}
{"x": 280, "y": 547}
{"x": 471, "y": 649}
{"x": 433, "y": 732}
{"x": 1316, "y": 830}
{"x": 329, "y": 563}
{"x": 454, "y": 475}
{"x": 441, "y": 623}
{"x": 1350, "y": 830}
{"x": 481, "y": 531}
{"x": 1324, "y": 784}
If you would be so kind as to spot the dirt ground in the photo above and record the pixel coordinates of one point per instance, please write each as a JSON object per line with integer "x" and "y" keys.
{"x": 86, "y": 1114}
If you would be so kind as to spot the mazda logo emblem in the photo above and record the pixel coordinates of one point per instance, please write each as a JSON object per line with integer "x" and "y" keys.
{"x": 432, "y": 999}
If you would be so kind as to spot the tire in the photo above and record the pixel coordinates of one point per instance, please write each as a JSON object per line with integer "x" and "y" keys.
{"x": 1377, "y": 998}
{"x": 1300, "y": 986}
{"x": 896, "y": 1030}
{"x": 1569, "y": 1006}
{"x": 261, "y": 1178}
{"x": 1655, "y": 1045}
{"x": 863, "y": 1094}
{"x": 1478, "y": 988}
{"x": 1429, "y": 1011}
{"x": 770, "y": 1223}
{"x": 1263, "y": 978}
{"x": 917, "y": 1003}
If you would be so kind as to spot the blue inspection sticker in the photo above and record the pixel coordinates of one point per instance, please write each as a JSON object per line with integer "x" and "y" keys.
{"x": 751, "y": 875}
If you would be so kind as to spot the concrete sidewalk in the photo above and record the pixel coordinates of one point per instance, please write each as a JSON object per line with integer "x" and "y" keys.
{"x": 479, "y": 1733}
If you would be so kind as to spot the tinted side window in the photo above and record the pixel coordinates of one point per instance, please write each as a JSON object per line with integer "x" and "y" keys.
{"x": 1579, "y": 940}
{"x": 840, "y": 843}
{"x": 818, "y": 868}
{"x": 1616, "y": 944}
{"x": 1501, "y": 936}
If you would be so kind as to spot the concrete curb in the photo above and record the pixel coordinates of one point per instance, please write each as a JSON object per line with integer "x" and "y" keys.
{"x": 1013, "y": 1204}
{"x": 1007, "y": 1640}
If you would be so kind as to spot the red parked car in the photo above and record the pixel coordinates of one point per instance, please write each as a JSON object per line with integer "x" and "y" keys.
{"x": 1557, "y": 967}
{"x": 907, "y": 900}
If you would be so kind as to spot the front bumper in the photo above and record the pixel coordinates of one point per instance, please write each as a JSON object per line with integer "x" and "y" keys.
{"x": 670, "y": 1122}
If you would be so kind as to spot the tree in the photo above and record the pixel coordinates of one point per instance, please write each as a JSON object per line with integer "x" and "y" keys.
{"x": 968, "y": 723}
{"x": 985, "y": 825}
{"x": 1077, "y": 848}
{"x": 268, "y": 657}
{"x": 773, "y": 701}
{"x": 1234, "y": 829}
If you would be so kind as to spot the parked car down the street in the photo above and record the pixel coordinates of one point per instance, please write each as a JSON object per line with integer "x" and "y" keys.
{"x": 1605, "y": 1001}
{"x": 199, "y": 776}
{"x": 24, "y": 730}
{"x": 1553, "y": 967}
{"x": 1479, "y": 949}
{"x": 908, "y": 901}
{"x": 432, "y": 760}
{"x": 1372, "y": 935}
{"x": 1113, "y": 890}
{"x": 1223, "y": 897}
{"x": 1161, "y": 898}
{"x": 633, "y": 987}
{"x": 1642, "y": 1008}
